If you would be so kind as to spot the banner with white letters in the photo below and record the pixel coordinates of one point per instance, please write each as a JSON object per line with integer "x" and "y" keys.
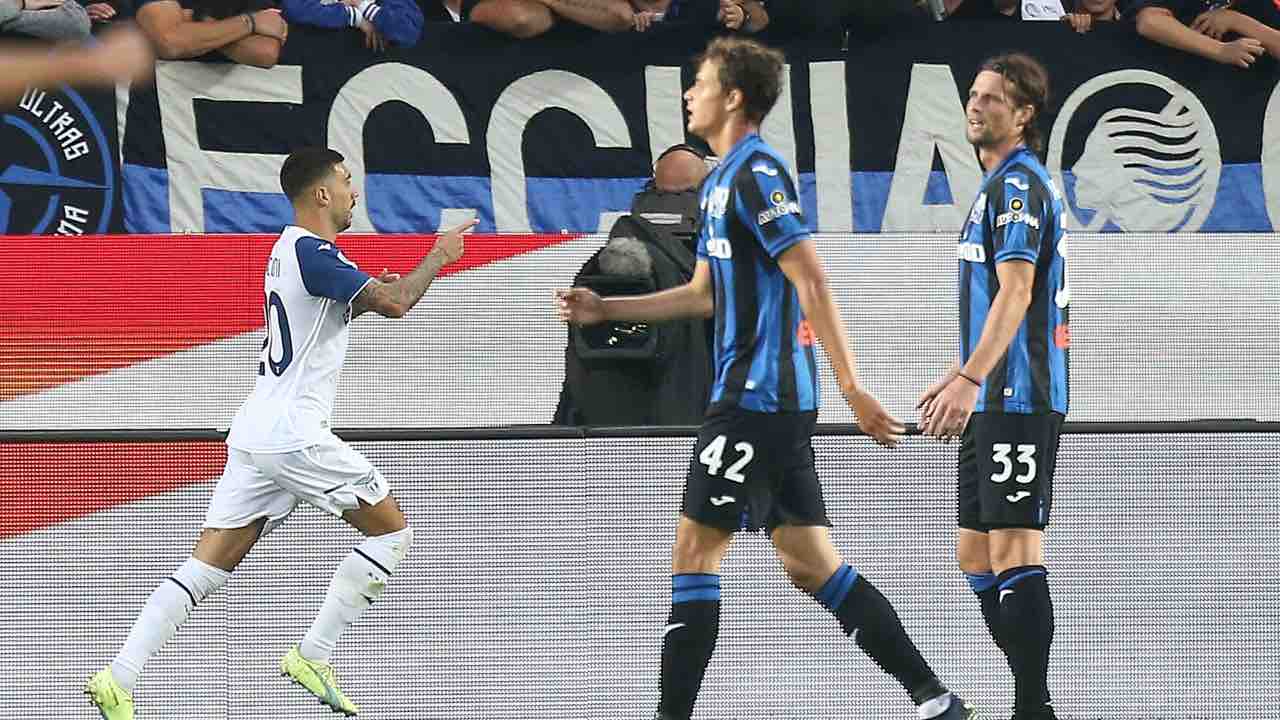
{"x": 549, "y": 136}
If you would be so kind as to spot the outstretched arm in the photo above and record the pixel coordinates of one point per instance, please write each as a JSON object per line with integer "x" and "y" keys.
{"x": 394, "y": 298}
{"x": 581, "y": 306}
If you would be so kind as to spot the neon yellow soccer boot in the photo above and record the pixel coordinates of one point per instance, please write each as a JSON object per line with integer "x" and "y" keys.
{"x": 112, "y": 701}
{"x": 317, "y": 678}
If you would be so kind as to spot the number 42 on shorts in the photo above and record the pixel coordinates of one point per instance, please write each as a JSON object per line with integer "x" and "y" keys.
{"x": 713, "y": 457}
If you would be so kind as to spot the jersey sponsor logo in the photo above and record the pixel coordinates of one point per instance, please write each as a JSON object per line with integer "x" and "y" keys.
{"x": 1017, "y": 183}
{"x": 764, "y": 169}
{"x": 719, "y": 248}
{"x": 1151, "y": 162}
{"x": 972, "y": 252}
{"x": 672, "y": 626}
{"x": 723, "y": 500}
{"x": 1030, "y": 221}
{"x": 59, "y": 176}
{"x": 781, "y": 207}
{"x": 1018, "y": 496}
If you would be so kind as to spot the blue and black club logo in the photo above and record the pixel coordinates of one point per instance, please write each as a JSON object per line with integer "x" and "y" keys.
{"x": 57, "y": 171}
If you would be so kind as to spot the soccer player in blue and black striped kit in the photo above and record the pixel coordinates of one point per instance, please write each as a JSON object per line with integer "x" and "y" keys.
{"x": 759, "y": 275}
{"x": 1007, "y": 396}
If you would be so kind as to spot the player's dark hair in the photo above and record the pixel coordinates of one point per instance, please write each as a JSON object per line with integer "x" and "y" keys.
{"x": 1027, "y": 83}
{"x": 749, "y": 67}
{"x": 306, "y": 167}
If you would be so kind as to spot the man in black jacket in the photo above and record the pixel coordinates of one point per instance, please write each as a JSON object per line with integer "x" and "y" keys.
{"x": 637, "y": 373}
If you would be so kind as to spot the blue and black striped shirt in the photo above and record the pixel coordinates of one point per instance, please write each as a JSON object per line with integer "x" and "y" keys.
{"x": 1018, "y": 216}
{"x": 751, "y": 214}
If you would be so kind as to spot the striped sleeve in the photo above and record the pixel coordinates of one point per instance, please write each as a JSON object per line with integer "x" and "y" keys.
{"x": 1016, "y": 214}
{"x": 768, "y": 204}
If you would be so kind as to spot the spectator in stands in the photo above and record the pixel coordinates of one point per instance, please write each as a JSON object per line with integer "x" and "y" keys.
{"x": 1079, "y": 14}
{"x": 1012, "y": 9}
{"x": 750, "y": 16}
{"x": 983, "y": 9}
{"x": 55, "y": 20}
{"x": 1085, "y": 13}
{"x": 105, "y": 11}
{"x": 1234, "y": 33}
{"x": 530, "y": 18}
{"x": 396, "y": 21}
{"x": 441, "y": 10}
{"x": 246, "y": 34}
{"x": 864, "y": 20}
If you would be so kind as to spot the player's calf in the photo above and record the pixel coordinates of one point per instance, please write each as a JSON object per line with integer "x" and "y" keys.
{"x": 359, "y": 581}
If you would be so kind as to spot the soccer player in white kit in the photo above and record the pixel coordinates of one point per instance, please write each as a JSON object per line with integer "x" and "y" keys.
{"x": 280, "y": 448}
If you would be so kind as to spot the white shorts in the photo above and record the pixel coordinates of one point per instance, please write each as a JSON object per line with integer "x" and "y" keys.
{"x": 330, "y": 475}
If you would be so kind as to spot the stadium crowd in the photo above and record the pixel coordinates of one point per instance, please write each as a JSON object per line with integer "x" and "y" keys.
{"x": 1231, "y": 32}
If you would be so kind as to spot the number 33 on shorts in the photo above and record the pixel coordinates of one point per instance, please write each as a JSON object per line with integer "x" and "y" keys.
{"x": 1025, "y": 460}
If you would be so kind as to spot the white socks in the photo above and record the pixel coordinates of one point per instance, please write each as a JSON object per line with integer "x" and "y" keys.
{"x": 165, "y": 611}
{"x": 360, "y": 579}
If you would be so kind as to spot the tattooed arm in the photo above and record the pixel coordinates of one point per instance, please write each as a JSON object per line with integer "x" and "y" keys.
{"x": 393, "y": 296}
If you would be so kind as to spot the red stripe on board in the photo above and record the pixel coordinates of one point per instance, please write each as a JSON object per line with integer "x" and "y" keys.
{"x": 46, "y": 483}
{"x": 81, "y": 306}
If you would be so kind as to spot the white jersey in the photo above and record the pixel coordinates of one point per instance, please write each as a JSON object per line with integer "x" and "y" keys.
{"x": 307, "y": 297}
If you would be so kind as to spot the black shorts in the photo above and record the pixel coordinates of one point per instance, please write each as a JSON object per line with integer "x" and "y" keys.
{"x": 754, "y": 470}
{"x": 1006, "y": 471}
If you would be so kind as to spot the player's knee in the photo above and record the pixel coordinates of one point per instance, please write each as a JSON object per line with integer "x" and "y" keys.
{"x": 807, "y": 574}
{"x": 397, "y": 543}
{"x": 406, "y": 539}
{"x": 694, "y": 552}
{"x": 972, "y": 562}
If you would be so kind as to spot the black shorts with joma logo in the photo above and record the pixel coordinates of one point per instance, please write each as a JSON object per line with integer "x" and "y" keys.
{"x": 1006, "y": 470}
{"x": 754, "y": 470}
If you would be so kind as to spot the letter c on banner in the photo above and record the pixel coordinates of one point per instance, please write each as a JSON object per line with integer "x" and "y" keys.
{"x": 1271, "y": 157}
{"x": 374, "y": 86}
{"x": 516, "y": 106}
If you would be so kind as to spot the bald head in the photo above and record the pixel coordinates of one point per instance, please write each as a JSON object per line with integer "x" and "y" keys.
{"x": 679, "y": 170}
